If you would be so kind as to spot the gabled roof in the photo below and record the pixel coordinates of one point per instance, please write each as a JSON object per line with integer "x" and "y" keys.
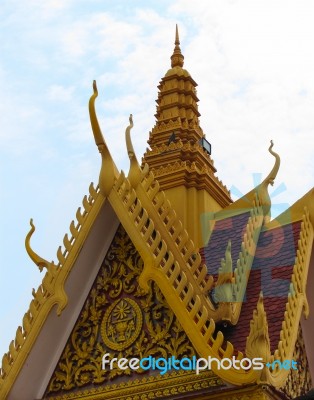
{"x": 277, "y": 281}
{"x": 271, "y": 274}
{"x": 217, "y": 300}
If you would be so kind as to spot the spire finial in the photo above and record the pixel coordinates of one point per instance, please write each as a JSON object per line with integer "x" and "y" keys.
{"x": 177, "y": 41}
{"x": 177, "y": 57}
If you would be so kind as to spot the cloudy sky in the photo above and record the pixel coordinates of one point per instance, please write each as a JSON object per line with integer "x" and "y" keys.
{"x": 253, "y": 61}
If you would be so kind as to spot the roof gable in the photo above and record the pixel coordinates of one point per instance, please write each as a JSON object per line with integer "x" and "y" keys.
{"x": 271, "y": 274}
{"x": 118, "y": 318}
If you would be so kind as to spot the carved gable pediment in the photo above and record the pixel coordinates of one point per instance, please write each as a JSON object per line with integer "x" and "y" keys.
{"x": 120, "y": 319}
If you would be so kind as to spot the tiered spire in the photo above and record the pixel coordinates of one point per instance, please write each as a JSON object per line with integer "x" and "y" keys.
{"x": 178, "y": 156}
{"x": 177, "y": 58}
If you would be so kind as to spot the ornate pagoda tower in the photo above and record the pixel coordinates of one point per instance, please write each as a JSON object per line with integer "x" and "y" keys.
{"x": 179, "y": 154}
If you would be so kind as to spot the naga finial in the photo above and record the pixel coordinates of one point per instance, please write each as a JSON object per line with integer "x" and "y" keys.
{"x": 177, "y": 58}
{"x": 273, "y": 173}
{"x": 99, "y": 139}
{"x": 262, "y": 189}
{"x": 128, "y": 140}
{"x": 135, "y": 170}
{"x": 39, "y": 261}
{"x": 108, "y": 168}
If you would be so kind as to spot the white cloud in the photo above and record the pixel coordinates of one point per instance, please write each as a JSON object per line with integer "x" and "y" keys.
{"x": 60, "y": 93}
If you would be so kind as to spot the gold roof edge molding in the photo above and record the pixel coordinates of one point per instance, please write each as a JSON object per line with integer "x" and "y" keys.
{"x": 51, "y": 291}
{"x": 170, "y": 259}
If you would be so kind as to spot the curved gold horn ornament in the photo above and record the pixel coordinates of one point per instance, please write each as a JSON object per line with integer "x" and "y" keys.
{"x": 107, "y": 171}
{"x": 262, "y": 189}
{"x": 135, "y": 172}
{"x": 273, "y": 173}
{"x": 99, "y": 139}
{"x": 39, "y": 261}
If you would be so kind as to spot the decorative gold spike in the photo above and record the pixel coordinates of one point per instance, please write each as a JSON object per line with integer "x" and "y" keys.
{"x": 79, "y": 216}
{"x": 12, "y": 350}
{"x": 60, "y": 255}
{"x": 19, "y": 337}
{"x": 92, "y": 191}
{"x": 107, "y": 172}
{"x": 26, "y": 323}
{"x": 67, "y": 242}
{"x": 257, "y": 343}
{"x": 86, "y": 204}
{"x": 39, "y": 261}
{"x": 177, "y": 58}
{"x": 135, "y": 170}
{"x": 73, "y": 230}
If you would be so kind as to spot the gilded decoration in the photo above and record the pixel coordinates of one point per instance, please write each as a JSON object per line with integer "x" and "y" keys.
{"x": 117, "y": 318}
{"x": 121, "y": 324}
{"x": 298, "y": 381}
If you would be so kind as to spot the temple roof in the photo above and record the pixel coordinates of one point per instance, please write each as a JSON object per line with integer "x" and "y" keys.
{"x": 242, "y": 294}
{"x": 270, "y": 274}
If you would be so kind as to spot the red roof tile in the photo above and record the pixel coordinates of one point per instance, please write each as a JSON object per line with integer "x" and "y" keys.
{"x": 231, "y": 228}
{"x": 271, "y": 273}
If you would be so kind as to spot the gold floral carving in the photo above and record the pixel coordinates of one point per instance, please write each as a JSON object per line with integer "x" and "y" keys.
{"x": 120, "y": 319}
{"x": 298, "y": 381}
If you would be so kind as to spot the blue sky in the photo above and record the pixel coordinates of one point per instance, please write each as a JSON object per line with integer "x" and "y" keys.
{"x": 253, "y": 61}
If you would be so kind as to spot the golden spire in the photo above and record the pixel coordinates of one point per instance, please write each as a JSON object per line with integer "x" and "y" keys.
{"x": 177, "y": 57}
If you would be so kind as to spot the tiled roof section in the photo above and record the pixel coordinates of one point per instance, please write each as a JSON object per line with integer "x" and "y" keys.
{"x": 271, "y": 273}
{"x": 231, "y": 228}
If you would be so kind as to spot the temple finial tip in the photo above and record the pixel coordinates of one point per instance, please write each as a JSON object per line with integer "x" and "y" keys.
{"x": 95, "y": 86}
{"x": 177, "y": 40}
{"x": 177, "y": 58}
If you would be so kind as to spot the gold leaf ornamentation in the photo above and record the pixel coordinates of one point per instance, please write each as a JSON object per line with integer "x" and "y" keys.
{"x": 118, "y": 318}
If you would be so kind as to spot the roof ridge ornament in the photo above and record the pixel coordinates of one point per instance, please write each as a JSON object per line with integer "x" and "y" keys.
{"x": 39, "y": 261}
{"x": 135, "y": 172}
{"x": 225, "y": 281}
{"x": 259, "y": 194}
{"x": 273, "y": 173}
{"x": 49, "y": 287}
{"x": 108, "y": 168}
{"x": 177, "y": 58}
{"x": 257, "y": 342}
{"x": 262, "y": 189}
